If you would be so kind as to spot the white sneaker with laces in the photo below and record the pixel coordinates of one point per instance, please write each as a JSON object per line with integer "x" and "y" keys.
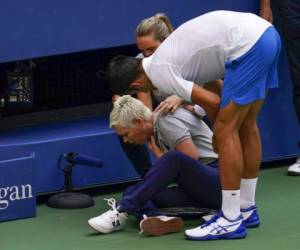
{"x": 218, "y": 227}
{"x": 111, "y": 220}
{"x": 294, "y": 169}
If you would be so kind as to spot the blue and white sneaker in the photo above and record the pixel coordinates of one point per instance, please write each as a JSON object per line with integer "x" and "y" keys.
{"x": 219, "y": 227}
{"x": 251, "y": 217}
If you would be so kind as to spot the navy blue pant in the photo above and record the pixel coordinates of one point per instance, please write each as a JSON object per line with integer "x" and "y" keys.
{"x": 289, "y": 21}
{"x": 138, "y": 156}
{"x": 198, "y": 185}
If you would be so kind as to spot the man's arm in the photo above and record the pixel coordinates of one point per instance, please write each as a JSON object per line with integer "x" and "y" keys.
{"x": 145, "y": 97}
{"x": 206, "y": 99}
{"x": 265, "y": 11}
{"x": 214, "y": 86}
{"x": 168, "y": 80}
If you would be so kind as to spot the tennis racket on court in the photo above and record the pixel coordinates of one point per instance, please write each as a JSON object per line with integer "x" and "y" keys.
{"x": 185, "y": 212}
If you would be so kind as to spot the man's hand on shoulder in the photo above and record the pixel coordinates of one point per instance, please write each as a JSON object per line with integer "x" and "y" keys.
{"x": 169, "y": 105}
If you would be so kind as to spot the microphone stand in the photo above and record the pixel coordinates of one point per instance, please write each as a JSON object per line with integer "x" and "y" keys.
{"x": 68, "y": 199}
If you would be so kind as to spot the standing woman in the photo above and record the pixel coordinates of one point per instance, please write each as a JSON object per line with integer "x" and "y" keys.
{"x": 150, "y": 33}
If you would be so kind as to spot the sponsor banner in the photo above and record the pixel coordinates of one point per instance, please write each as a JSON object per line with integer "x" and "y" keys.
{"x": 17, "y": 189}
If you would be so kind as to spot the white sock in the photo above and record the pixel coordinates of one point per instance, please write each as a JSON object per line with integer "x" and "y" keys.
{"x": 231, "y": 203}
{"x": 248, "y": 188}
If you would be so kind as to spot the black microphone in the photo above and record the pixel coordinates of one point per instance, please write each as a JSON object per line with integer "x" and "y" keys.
{"x": 81, "y": 159}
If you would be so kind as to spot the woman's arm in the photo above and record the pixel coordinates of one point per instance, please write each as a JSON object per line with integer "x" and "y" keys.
{"x": 145, "y": 97}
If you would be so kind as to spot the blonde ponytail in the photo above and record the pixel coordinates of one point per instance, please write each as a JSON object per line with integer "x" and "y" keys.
{"x": 158, "y": 25}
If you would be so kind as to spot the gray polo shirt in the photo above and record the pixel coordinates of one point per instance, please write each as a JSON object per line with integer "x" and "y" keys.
{"x": 172, "y": 129}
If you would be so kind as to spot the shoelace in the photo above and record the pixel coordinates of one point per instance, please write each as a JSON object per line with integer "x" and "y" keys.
{"x": 112, "y": 203}
{"x": 211, "y": 221}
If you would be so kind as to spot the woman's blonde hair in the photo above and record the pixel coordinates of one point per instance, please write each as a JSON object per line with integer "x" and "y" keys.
{"x": 126, "y": 109}
{"x": 159, "y": 26}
